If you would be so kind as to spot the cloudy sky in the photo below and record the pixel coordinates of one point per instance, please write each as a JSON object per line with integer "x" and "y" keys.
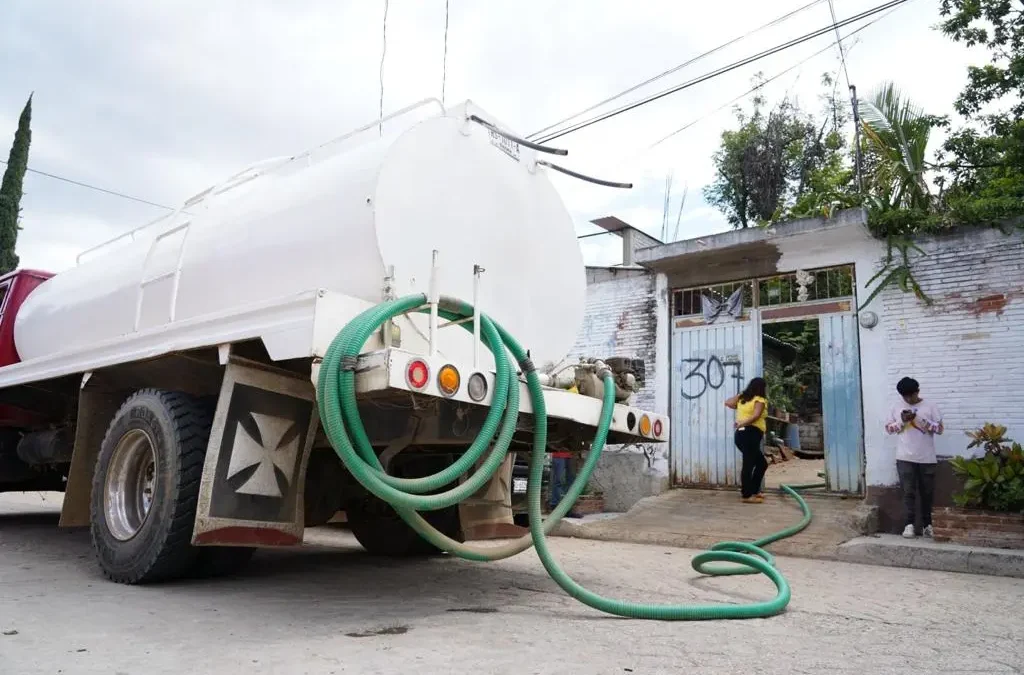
{"x": 161, "y": 99}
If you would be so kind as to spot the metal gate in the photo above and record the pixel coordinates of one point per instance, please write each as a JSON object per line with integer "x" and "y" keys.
{"x": 841, "y": 402}
{"x": 710, "y": 363}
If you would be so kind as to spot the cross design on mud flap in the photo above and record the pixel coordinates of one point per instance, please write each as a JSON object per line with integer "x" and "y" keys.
{"x": 266, "y": 454}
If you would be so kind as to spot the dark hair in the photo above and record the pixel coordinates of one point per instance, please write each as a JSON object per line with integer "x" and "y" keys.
{"x": 907, "y": 386}
{"x": 756, "y": 387}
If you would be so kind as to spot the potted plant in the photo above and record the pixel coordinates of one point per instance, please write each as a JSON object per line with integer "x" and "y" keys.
{"x": 990, "y": 507}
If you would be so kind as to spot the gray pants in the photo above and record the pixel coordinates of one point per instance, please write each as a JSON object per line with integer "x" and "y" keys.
{"x": 917, "y": 480}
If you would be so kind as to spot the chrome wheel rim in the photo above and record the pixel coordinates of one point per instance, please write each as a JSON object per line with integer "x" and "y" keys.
{"x": 129, "y": 485}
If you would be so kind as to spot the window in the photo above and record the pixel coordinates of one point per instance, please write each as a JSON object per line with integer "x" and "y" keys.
{"x": 687, "y": 302}
{"x": 825, "y": 284}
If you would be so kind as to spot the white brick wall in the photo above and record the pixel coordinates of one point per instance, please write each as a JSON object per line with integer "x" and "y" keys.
{"x": 967, "y": 353}
{"x": 620, "y": 321}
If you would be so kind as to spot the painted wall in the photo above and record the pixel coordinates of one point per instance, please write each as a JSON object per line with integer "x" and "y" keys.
{"x": 626, "y": 312}
{"x": 967, "y": 349}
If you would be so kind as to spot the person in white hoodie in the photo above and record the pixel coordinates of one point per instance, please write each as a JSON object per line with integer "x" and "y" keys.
{"x": 915, "y": 421}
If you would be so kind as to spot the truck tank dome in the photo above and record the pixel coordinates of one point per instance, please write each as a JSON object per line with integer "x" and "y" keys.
{"x": 338, "y": 218}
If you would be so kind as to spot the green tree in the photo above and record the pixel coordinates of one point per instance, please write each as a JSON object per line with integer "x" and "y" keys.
{"x": 11, "y": 189}
{"x": 985, "y": 158}
{"x": 780, "y": 163}
{"x": 896, "y": 134}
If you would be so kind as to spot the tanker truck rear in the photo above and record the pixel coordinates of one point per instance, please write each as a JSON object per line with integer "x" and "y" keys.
{"x": 172, "y": 383}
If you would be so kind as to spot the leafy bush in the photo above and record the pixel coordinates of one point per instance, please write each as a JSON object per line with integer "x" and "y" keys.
{"x": 994, "y": 481}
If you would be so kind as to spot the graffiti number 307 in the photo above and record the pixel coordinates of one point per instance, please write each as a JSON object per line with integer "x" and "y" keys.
{"x": 710, "y": 374}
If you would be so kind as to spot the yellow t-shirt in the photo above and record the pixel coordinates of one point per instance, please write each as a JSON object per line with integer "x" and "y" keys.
{"x": 745, "y": 410}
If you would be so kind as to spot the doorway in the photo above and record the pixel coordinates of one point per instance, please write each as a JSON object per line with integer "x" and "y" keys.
{"x": 795, "y": 442}
{"x": 797, "y": 330}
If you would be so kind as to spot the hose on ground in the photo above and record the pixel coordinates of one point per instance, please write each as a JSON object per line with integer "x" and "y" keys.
{"x": 339, "y": 415}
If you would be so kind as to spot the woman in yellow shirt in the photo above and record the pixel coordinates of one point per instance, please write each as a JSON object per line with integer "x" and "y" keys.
{"x": 751, "y": 408}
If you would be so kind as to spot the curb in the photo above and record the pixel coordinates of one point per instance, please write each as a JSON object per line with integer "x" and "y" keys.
{"x": 891, "y": 550}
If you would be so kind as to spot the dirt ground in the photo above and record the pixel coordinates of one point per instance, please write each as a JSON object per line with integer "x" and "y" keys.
{"x": 794, "y": 471}
{"x": 328, "y": 607}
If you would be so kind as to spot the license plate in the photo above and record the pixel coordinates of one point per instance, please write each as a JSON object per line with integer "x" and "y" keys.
{"x": 518, "y": 485}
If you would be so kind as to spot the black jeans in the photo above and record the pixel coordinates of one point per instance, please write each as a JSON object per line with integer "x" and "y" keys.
{"x": 917, "y": 480}
{"x": 748, "y": 440}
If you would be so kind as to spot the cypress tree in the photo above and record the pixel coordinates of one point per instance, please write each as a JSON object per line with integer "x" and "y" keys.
{"x": 11, "y": 188}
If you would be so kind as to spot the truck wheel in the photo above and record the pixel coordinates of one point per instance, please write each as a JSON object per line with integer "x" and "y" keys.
{"x": 145, "y": 488}
{"x": 380, "y": 531}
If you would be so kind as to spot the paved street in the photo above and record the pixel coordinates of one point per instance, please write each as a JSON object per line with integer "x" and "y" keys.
{"x": 330, "y": 608}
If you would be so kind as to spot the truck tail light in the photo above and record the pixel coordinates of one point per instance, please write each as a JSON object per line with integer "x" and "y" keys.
{"x": 418, "y": 374}
{"x": 657, "y": 428}
{"x": 477, "y": 387}
{"x": 448, "y": 380}
{"x": 645, "y": 425}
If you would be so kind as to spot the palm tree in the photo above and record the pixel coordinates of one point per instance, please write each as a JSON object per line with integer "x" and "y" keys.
{"x": 896, "y": 137}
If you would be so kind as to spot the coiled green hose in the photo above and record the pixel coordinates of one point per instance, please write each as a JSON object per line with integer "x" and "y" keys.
{"x": 343, "y": 426}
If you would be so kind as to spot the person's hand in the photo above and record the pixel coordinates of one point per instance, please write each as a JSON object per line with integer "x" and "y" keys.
{"x": 736, "y": 425}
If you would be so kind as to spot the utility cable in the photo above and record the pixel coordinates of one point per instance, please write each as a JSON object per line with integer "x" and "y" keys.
{"x": 444, "y": 62}
{"x": 842, "y": 51}
{"x": 719, "y": 71}
{"x": 383, "y": 53}
{"x": 679, "y": 67}
{"x": 767, "y": 81}
{"x": 96, "y": 188}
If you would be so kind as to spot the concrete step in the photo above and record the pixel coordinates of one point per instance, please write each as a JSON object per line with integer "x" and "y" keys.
{"x": 892, "y": 550}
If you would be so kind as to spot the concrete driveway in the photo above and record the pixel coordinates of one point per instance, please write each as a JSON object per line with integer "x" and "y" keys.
{"x": 330, "y": 608}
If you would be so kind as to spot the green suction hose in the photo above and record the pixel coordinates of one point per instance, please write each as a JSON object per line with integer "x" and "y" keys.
{"x": 339, "y": 415}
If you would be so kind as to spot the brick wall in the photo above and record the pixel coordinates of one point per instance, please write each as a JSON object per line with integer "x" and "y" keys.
{"x": 967, "y": 349}
{"x": 620, "y": 321}
{"x": 979, "y": 528}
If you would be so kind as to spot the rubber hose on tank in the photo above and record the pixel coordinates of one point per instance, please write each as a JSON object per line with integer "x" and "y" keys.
{"x": 339, "y": 414}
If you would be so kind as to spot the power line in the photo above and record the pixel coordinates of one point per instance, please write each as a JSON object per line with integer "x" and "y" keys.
{"x": 96, "y": 188}
{"x": 679, "y": 67}
{"x": 769, "y": 80}
{"x": 444, "y": 63}
{"x": 842, "y": 51}
{"x": 383, "y": 53}
{"x": 719, "y": 71}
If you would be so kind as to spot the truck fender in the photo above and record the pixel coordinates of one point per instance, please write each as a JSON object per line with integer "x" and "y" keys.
{"x": 96, "y": 407}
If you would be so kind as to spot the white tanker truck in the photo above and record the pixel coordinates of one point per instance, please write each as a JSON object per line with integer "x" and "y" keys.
{"x": 167, "y": 384}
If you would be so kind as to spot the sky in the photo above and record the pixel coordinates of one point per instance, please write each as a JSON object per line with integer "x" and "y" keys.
{"x": 159, "y": 100}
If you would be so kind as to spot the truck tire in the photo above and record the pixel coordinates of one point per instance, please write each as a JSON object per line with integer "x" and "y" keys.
{"x": 145, "y": 490}
{"x": 382, "y": 532}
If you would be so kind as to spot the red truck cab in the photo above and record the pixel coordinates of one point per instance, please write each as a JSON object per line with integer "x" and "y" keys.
{"x": 14, "y": 288}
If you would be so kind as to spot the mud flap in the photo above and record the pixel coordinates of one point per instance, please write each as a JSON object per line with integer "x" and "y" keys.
{"x": 253, "y": 480}
{"x": 488, "y": 513}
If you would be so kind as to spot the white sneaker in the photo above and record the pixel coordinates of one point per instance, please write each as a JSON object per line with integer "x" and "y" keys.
{"x": 908, "y": 532}
{"x": 928, "y": 532}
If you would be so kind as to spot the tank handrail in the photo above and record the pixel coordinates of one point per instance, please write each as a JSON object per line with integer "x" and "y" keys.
{"x": 236, "y": 178}
{"x": 367, "y": 127}
{"x": 130, "y": 233}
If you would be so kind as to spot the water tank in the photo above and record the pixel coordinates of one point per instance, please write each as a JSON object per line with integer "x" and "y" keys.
{"x": 337, "y": 218}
